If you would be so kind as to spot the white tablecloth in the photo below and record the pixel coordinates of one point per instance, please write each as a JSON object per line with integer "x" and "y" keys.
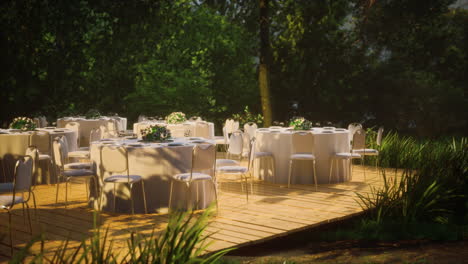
{"x": 177, "y": 130}
{"x": 279, "y": 143}
{"x": 14, "y": 144}
{"x": 86, "y": 125}
{"x": 156, "y": 163}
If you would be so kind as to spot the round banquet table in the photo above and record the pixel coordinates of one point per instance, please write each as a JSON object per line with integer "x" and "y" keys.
{"x": 178, "y": 130}
{"x": 156, "y": 163}
{"x": 86, "y": 125}
{"x": 278, "y": 142}
{"x": 14, "y": 144}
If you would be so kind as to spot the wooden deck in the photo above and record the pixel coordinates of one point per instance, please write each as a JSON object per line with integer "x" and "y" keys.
{"x": 272, "y": 211}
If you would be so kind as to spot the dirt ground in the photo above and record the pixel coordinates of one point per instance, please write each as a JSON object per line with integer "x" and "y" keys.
{"x": 417, "y": 252}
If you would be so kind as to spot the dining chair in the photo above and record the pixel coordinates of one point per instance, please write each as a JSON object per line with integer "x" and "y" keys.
{"x": 202, "y": 129}
{"x": 114, "y": 159}
{"x": 352, "y": 129}
{"x": 222, "y": 140}
{"x": 203, "y": 159}
{"x": 359, "y": 147}
{"x": 78, "y": 154}
{"x": 21, "y": 184}
{"x": 228, "y": 125}
{"x": 75, "y": 126}
{"x": 250, "y": 128}
{"x": 71, "y": 172}
{"x": 344, "y": 157}
{"x": 242, "y": 171}
{"x": 236, "y": 146}
{"x": 8, "y": 187}
{"x": 258, "y": 155}
{"x": 302, "y": 149}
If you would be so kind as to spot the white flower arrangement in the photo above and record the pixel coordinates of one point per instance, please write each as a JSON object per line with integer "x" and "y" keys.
{"x": 23, "y": 123}
{"x": 176, "y": 118}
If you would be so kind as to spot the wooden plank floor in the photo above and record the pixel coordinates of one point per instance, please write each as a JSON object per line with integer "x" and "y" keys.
{"x": 273, "y": 210}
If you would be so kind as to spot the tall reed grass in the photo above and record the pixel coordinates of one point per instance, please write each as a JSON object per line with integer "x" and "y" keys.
{"x": 431, "y": 183}
{"x": 182, "y": 241}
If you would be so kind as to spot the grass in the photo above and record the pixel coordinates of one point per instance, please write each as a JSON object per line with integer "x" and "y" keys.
{"x": 183, "y": 241}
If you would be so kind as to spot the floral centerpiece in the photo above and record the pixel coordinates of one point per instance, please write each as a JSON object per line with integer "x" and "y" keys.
{"x": 23, "y": 123}
{"x": 155, "y": 133}
{"x": 92, "y": 114}
{"x": 176, "y": 118}
{"x": 300, "y": 123}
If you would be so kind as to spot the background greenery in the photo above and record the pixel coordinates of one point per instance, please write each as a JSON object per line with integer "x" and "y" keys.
{"x": 398, "y": 63}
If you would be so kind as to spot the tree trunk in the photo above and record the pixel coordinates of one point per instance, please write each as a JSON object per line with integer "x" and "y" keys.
{"x": 263, "y": 75}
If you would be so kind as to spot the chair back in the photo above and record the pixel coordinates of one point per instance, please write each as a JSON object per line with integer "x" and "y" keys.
{"x": 59, "y": 153}
{"x": 141, "y": 118}
{"x": 95, "y": 135}
{"x": 33, "y": 152}
{"x": 114, "y": 159}
{"x": 249, "y": 129}
{"x": 23, "y": 174}
{"x": 43, "y": 121}
{"x": 302, "y": 142}
{"x": 235, "y": 126}
{"x": 41, "y": 140}
{"x": 225, "y": 135}
{"x": 359, "y": 139}
{"x": 104, "y": 131}
{"x": 236, "y": 143}
{"x": 202, "y": 129}
{"x": 75, "y": 126}
{"x": 37, "y": 122}
{"x": 228, "y": 125}
{"x": 352, "y": 129}
{"x": 251, "y": 152}
{"x": 112, "y": 129}
{"x": 378, "y": 141}
{"x": 204, "y": 157}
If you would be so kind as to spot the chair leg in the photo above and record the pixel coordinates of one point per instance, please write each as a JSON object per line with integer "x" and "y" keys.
{"x": 315, "y": 177}
{"x": 57, "y": 192}
{"x": 66, "y": 193}
{"x": 337, "y": 170}
{"x": 246, "y": 187}
{"x": 144, "y": 196}
{"x": 170, "y": 195}
{"x": 113, "y": 194}
{"x": 290, "y": 172}
{"x": 131, "y": 198}
{"x": 363, "y": 166}
{"x": 216, "y": 195}
{"x": 350, "y": 169}
{"x": 189, "y": 198}
{"x": 24, "y": 213}
{"x": 11, "y": 231}
{"x": 29, "y": 218}
{"x": 35, "y": 207}
{"x": 331, "y": 169}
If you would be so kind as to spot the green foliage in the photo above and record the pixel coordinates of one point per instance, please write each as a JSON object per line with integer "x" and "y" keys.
{"x": 92, "y": 113}
{"x": 181, "y": 242}
{"x": 402, "y": 62}
{"x": 246, "y": 116}
{"x": 433, "y": 183}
